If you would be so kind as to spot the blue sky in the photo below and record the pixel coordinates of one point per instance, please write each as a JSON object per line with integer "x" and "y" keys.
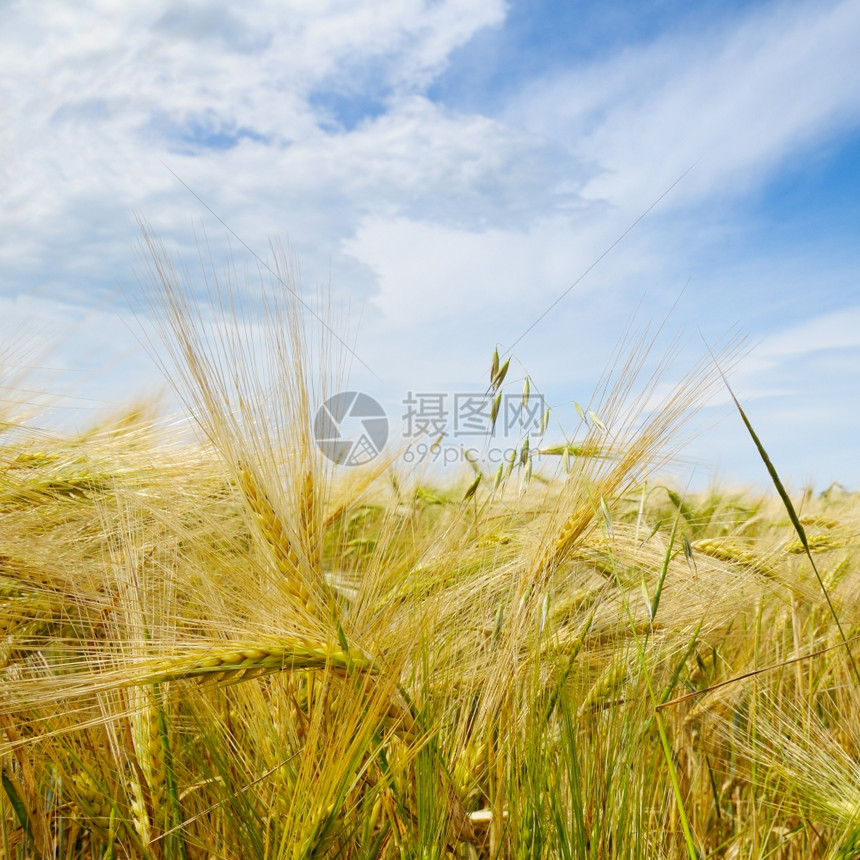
{"x": 450, "y": 168}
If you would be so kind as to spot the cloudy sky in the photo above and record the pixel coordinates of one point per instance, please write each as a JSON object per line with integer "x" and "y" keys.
{"x": 452, "y": 168}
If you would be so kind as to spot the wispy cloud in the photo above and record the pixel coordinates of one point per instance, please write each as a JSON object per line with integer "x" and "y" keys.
{"x": 833, "y": 331}
{"x": 736, "y": 101}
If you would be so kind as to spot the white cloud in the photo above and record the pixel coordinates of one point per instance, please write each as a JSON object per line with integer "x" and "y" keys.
{"x": 95, "y": 95}
{"x": 427, "y": 271}
{"x": 252, "y": 64}
{"x": 93, "y": 90}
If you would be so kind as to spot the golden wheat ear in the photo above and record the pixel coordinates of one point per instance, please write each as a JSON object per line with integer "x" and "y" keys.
{"x": 242, "y": 359}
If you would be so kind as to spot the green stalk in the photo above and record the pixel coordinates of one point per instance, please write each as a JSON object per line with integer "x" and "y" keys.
{"x": 673, "y": 775}
{"x": 655, "y": 601}
{"x": 5, "y": 830}
{"x": 692, "y": 851}
{"x": 20, "y": 810}
{"x": 680, "y": 664}
{"x": 559, "y": 686}
{"x": 792, "y": 515}
{"x": 170, "y": 774}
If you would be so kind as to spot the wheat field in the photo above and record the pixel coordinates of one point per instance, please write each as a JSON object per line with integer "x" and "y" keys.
{"x": 229, "y": 648}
